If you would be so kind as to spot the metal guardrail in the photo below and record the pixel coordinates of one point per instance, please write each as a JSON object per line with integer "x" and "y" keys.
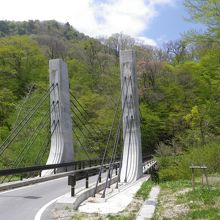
{"x": 80, "y": 168}
{"x": 76, "y": 165}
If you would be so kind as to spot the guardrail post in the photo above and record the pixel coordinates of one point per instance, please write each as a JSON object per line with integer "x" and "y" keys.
{"x": 100, "y": 178}
{"x": 72, "y": 183}
{"x": 109, "y": 172}
{"x": 87, "y": 180}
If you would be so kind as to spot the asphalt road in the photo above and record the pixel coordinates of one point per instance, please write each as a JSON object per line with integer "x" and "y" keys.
{"x": 23, "y": 203}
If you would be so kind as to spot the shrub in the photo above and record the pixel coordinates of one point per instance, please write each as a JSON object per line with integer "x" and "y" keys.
{"x": 177, "y": 167}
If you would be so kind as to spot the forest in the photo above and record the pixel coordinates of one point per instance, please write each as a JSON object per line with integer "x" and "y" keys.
{"x": 179, "y": 86}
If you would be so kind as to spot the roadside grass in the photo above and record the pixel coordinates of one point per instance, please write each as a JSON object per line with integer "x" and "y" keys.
{"x": 177, "y": 201}
{"x": 145, "y": 189}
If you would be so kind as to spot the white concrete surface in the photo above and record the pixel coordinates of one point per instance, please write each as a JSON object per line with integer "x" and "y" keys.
{"x": 148, "y": 208}
{"x": 132, "y": 149}
{"x": 116, "y": 199}
{"x": 61, "y": 150}
{"x": 82, "y": 194}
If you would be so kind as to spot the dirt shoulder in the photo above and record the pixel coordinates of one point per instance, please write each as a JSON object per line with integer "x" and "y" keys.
{"x": 178, "y": 201}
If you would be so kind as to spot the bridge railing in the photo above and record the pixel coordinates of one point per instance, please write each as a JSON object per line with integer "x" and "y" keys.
{"x": 76, "y": 165}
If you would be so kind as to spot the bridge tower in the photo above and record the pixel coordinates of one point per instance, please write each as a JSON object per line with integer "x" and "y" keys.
{"x": 132, "y": 151}
{"x": 61, "y": 150}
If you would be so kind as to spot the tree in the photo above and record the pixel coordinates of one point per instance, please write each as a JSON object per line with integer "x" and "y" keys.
{"x": 53, "y": 46}
{"x": 206, "y": 12}
{"x": 21, "y": 61}
{"x": 120, "y": 42}
{"x": 176, "y": 51}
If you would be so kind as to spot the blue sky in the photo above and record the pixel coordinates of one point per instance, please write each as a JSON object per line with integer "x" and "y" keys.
{"x": 151, "y": 21}
{"x": 171, "y": 23}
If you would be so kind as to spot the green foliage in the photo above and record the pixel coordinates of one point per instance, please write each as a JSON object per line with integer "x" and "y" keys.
{"x": 7, "y": 104}
{"x": 21, "y": 63}
{"x": 179, "y": 88}
{"x": 145, "y": 189}
{"x": 177, "y": 167}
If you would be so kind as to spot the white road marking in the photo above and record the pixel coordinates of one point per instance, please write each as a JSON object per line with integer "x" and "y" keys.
{"x": 42, "y": 209}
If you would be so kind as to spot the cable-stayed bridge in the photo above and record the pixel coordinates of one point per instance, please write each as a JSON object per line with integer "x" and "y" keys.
{"x": 57, "y": 122}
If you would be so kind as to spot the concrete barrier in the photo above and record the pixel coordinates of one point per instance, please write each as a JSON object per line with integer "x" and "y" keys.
{"x": 81, "y": 196}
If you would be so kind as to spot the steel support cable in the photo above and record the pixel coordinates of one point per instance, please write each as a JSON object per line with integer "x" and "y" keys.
{"x": 129, "y": 143}
{"x": 135, "y": 121}
{"x": 119, "y": 173}
{"x": 23, "y": 103}
{"x": 84, "y": 135}
{"x": 27, "y": 150}
{"x": 31, "y": 140}
{"x": 58, "y": 130}
{"x": 44, "y": 143}
{"x": 122, "y": 121}
{"x": 36, "y": 130}
{"x": 84, "y": 126}
{"x": 134, "y": 140}
{"x": 109, "y": 174}
{"x": 118, "y": 133}
{"x": 83, "y": 123}
{"x": 110, "y": 134}
{"x": 114, "y": 155}
{"x": 139, "y": 110}
{"x": 131, "y": 123}
{"x": 85, "y": 111}
{"x": 46, "y": 139}
{"x": 115, "y": 144}
{"x": 81, "y": 145}
{"x": 55, "y": 126}
{"x": 86, "y": 119}
{"x": 4, "y": 145}
{"x": 16, "y": 127}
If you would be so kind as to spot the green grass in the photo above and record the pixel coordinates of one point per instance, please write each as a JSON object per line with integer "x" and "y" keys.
{"x": 144, "y": 191}
{"x": 210, "y": 213}
{"x": 201, "y": 203}
{"x": 175, "y": 185}
{"x": 207, "y": 197}
{"x": 121, "y": 217}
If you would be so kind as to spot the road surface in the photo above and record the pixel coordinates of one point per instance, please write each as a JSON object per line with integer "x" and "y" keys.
{"x": 23, "y": 203}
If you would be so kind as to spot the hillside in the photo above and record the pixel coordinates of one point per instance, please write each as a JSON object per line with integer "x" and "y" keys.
{"x": 179, "y": 87}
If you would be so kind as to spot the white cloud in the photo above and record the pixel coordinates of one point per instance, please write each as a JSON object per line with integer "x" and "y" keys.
{"x": 92, "y": 17}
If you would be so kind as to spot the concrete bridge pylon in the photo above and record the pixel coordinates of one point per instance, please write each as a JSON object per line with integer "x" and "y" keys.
{"x": 132, "y": 150}
{"x": 61, "y": 149}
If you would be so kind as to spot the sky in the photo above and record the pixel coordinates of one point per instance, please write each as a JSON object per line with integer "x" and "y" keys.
{"x": 151, "y": 21}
